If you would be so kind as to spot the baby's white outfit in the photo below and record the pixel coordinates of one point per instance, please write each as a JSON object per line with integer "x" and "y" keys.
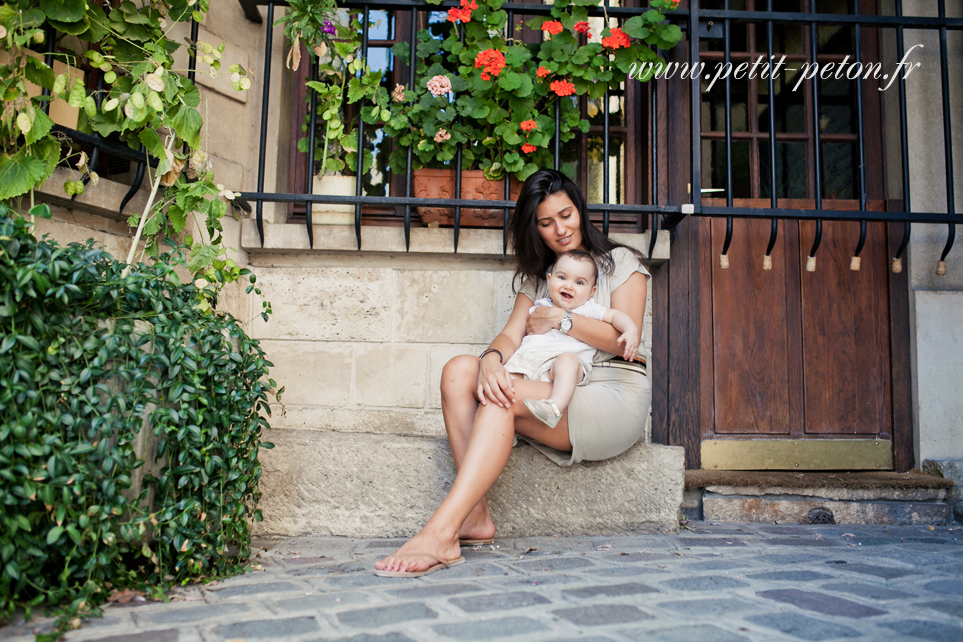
{"x": 535, "y": 355}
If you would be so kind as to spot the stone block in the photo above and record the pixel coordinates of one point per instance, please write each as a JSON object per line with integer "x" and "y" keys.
{"x": 737, "y": 508}
{"x": 637, "y": 492}
{"x": 327, "y": 304}
{"x": 392, "y": 421}
{"x": 445, "y": 306}
{"x": 939, "y": 362}
{"x": 391, "y": 375}
{"x": 312, "y": 373}
{"x": 504, "y": 299}
{"x": 366, "y": 485}
{"x": 839, "y": 494}
{"x": 947, "y": 469}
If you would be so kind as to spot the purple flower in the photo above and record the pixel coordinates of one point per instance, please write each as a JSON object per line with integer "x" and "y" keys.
{"x": 328, "y": 27}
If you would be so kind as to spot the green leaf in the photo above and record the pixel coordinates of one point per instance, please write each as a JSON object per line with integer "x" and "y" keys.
{"x": 41, "y": 126}
{"x": 39, "y": 73}
{"x": 19, "y": 174}
{"x": 152, "y": 141}
{"x": 64, "y": 10}
{"x": 187, "y": 123}
{"x": 201, "y": 257}
{"x": 54, "y": 534}
{"x": 42, "y": 210}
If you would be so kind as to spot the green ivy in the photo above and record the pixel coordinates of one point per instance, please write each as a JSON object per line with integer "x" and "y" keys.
{"x": 90, "y": 358}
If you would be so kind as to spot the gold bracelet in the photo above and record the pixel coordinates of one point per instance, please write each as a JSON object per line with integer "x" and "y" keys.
{"x": 501, "y": 360}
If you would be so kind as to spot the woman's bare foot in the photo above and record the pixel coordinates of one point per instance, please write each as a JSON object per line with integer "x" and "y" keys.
{"x": 478, "y": 525}
{"x": 420, "y": 553}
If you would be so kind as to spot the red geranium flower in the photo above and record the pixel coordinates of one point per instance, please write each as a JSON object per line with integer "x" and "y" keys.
{"x": 528, "y": 125}
{"x": 464, "y": 13}
{"x": 562, "y": 87}
{"x": 543, "y": 72}
{"x": 582, "y": 27}
{"x": 492, "y": 60}
{"x": 616, "y": 40}
{"x": 554, "y": 27}
{"x": 528, "y": 148}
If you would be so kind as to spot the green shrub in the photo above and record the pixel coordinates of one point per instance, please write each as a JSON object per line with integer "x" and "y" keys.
{"x": 88, "y": 357}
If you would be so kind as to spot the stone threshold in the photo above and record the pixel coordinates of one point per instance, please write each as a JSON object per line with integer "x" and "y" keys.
{"x": 818, "y": 497}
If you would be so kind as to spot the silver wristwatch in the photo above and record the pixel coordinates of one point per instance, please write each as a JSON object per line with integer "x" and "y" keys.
{"x": 565, "y": 323}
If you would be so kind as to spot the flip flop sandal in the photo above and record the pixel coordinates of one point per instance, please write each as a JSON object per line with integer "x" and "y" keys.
{"x": 476, "y": 542}
{"x": 431, "y": 569}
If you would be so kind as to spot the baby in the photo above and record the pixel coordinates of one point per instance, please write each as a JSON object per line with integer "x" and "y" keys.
{"x": 556, "y": 357}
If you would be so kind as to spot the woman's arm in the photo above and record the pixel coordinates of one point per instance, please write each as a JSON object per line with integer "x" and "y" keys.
{"x": 494, "y": 382}
{"x": 628, "y": 298}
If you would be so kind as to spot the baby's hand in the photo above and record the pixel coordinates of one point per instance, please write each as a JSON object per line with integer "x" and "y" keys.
{"x": 631, "y": 341}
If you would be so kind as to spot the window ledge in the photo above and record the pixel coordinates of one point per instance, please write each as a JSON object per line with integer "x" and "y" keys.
{"x": 102, "y": 199}
{"x": 286, "y": 238}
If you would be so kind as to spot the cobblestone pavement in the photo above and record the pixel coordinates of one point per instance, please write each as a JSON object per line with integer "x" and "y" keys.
{"x": 711, "y": 582}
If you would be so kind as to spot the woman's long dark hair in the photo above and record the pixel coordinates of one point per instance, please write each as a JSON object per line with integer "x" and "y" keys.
{"x": 533, "y": 258}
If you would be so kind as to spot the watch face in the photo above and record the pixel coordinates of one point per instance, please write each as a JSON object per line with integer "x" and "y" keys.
{"x": 565, "y": 324}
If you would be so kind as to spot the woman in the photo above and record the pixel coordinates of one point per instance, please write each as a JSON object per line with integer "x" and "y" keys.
{"x": 482, "y": 404}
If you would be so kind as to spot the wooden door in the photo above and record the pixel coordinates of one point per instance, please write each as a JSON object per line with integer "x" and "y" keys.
{"x": 782, "y": 368}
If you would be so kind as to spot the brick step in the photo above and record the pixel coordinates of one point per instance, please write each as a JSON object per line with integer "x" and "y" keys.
{"x": 376, "y": 485}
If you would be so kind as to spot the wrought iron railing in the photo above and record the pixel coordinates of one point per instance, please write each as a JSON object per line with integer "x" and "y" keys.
{"x": 660, "y": 214}
{"x": 695, "y": 20}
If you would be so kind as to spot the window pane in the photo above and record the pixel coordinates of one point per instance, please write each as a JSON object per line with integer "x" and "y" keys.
{"x": 792, "y": 169}
{"x": 714, "y": 105}
{"x": 382, "y": 25}
{"x": 840, "y": 173}
{"x": 595, "y": 169}
{"x": 837, "y": 106}
{"x": 596, "y": 113}
{"x": 376, "y": 180}
{"x": 786, "y": 39}
{"x": 714, "y": 168}
{"x": 790, "y": 106}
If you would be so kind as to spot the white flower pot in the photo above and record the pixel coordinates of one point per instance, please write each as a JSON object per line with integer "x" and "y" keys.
{"x": 333, "y": 213}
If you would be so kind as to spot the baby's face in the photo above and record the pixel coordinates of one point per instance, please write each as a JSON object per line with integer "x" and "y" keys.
{"x": 571, "y": 283}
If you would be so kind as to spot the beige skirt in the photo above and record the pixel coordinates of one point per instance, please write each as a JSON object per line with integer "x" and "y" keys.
{"x": 606, "y": 417}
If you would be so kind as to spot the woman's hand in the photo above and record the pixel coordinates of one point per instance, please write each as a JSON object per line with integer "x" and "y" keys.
{"x": 543, "y": 319}
{"x": 494, "y": 382}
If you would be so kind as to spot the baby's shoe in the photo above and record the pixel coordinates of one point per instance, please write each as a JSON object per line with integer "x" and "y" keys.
{"x": 544, "y": 410}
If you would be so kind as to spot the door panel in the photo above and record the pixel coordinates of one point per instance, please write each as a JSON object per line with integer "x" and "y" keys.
{"x": 845, "y": 328}
{"x": 749, "y": 332}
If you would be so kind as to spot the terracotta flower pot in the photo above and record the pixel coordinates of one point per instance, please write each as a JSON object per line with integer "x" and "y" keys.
{"x": 440, "y": 183}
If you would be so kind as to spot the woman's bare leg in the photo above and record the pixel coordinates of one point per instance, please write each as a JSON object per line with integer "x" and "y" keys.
{"x": 458, "y": 406}
{"x": 482, "y": 461}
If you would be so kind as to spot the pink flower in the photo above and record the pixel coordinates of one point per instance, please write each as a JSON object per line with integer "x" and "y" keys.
{"x": 439, "y": 85}
{"x": 398, "y": 94}
{"x": 582, "y": 27}
{"x": 442, "y": 136}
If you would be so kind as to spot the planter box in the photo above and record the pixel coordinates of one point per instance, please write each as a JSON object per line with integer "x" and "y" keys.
{"x": 440, "y": 183}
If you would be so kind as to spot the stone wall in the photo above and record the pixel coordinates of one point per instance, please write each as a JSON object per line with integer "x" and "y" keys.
{"x": 935, "y": 301}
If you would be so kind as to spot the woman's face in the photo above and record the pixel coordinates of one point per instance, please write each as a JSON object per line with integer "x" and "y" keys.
{"x": 558, "y": 223}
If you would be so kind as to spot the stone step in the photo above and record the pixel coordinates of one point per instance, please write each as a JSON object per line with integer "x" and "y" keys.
{"x": 841, "y": 498}
{"x": 376, "y": 485}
